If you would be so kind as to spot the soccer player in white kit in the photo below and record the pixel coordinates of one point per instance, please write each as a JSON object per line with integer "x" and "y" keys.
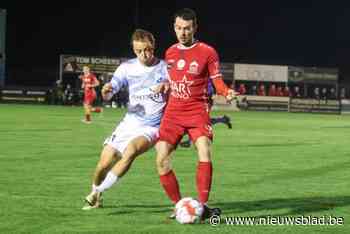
{"x": 138, "y": 131}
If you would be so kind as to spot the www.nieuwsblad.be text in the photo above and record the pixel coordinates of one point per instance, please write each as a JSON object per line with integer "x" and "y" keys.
{"x": 277, "y": 220}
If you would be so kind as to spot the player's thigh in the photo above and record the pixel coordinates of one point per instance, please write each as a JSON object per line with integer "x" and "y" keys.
{"x": 88, "y": 100}
{"x": 201, "y": 127}
{"x": 127, "y": 131}
{"x": 87, "y": 105}
{"x": 137, "y": 146}
{"x": 171, "y": 131}
{"x": 203, "y": 146}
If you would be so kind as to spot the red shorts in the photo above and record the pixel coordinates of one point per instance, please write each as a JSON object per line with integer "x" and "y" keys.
{"x": 173, "y": 127}
{"x": 89, "y": 98}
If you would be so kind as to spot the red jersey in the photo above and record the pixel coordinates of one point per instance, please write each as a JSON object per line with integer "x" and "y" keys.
{"x": 87, "y": 82}
{"x": 190, "y": 69}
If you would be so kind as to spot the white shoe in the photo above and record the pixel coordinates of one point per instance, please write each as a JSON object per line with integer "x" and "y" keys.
{"x": 96, "y": 206}
{"x": 91, "y": 199}
{"x": 94, "y": 200}
{"x": 86, "y": 122}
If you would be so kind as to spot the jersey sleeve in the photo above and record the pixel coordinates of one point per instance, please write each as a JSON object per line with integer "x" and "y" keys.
{"x": 94, "y": 79}
{"x": 119, "y": 79}
{"x": 213, "y": 64}
{"x": 215, "y": 74}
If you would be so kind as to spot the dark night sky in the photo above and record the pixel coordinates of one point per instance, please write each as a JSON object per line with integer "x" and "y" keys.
{"x": 307, "y": 33}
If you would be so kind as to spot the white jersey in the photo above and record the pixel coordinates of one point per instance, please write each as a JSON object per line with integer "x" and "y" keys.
{"x": 144, "y": 104}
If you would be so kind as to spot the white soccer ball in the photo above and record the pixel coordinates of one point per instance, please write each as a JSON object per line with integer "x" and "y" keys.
{"x": 188, "y": 210}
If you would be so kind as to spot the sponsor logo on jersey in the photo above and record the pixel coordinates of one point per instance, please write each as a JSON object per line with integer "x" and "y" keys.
{"x": 156, "y": 97}
{"x": 181, "y": 64}
{"x": 181, "y": 89}
{"x": 159, "y": 79}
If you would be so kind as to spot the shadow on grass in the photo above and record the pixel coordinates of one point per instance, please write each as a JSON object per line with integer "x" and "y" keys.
{"x": 296, "y": 206}
{"x": 139, "y": 208}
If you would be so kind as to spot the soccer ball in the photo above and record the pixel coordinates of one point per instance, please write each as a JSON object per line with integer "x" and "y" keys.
{"x": 188, "y": 210}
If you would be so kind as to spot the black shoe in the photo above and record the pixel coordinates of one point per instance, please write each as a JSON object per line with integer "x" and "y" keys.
{"x": 209, "y": 212}
{"x": 227, "y": 121}
{"x": 185, "y": 144}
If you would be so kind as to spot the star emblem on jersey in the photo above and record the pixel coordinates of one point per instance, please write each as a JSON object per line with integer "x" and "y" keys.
{"x": 181, "y": 89}
{"x": 181, "y": 64}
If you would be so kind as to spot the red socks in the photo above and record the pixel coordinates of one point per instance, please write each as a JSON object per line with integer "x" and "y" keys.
{"x": 204, "y": 178}
{"x": 171, "y": 186}
{"x": 96, "y": 109}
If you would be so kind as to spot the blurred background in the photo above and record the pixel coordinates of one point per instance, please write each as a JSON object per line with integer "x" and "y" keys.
{"x": 37, "y": 40}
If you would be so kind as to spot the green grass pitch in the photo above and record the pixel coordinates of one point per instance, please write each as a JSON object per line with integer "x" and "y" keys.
{"x": 269, "y": 164}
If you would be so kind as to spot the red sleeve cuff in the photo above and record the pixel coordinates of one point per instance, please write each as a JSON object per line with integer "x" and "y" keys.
{"x": 220, "y": 86}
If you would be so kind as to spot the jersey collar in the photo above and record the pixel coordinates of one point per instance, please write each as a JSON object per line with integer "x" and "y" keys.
{"x": 182, "y": 47}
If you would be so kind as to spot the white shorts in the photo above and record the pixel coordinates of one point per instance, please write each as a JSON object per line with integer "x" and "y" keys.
{"x": 128, "y": 129}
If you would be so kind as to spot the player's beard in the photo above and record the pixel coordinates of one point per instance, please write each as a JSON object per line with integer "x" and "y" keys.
{"x": 187, "y": 42}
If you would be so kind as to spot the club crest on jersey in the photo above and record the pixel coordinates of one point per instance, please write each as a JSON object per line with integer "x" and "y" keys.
{"x": 181, "y": 64}
{"x": 193, "y": 69}
{"x": 159, "y": 79}
{"x": 181, "y": 89}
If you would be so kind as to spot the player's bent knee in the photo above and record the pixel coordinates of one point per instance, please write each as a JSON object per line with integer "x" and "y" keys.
{"x": 107, "y": 157}
{"x": 203, "y": 145}
{"x": 163, "y": 164}
{"x": 163, "y": 161}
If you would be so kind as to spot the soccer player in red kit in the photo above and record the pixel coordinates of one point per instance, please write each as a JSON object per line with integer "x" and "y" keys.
{"x": 89, "y": 82}
{"x": 190, "y": 66}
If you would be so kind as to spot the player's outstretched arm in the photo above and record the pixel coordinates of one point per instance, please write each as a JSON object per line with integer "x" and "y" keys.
{"x": 96, "y": 83}
{"x": 162, "y": 88}
{"x": 231, "y": 95}
{"x": 223, "y": 90}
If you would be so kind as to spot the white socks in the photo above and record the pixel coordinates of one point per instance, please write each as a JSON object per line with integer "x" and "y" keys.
{"x": 110, "y": 179}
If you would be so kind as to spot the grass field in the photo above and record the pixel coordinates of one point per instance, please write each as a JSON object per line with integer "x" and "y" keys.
{"x": 269, "y": 164}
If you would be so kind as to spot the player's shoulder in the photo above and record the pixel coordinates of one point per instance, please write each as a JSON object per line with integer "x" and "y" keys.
{"x": 126, "y": 65}
{"x": 172, "y": 48}
{"x": 206, "y": 47}
{"x": 129, "y": 62}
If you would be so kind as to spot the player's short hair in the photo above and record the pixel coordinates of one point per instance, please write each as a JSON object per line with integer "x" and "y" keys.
{"x": 143, "y": 35}
{"x": 187, "y": 14}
